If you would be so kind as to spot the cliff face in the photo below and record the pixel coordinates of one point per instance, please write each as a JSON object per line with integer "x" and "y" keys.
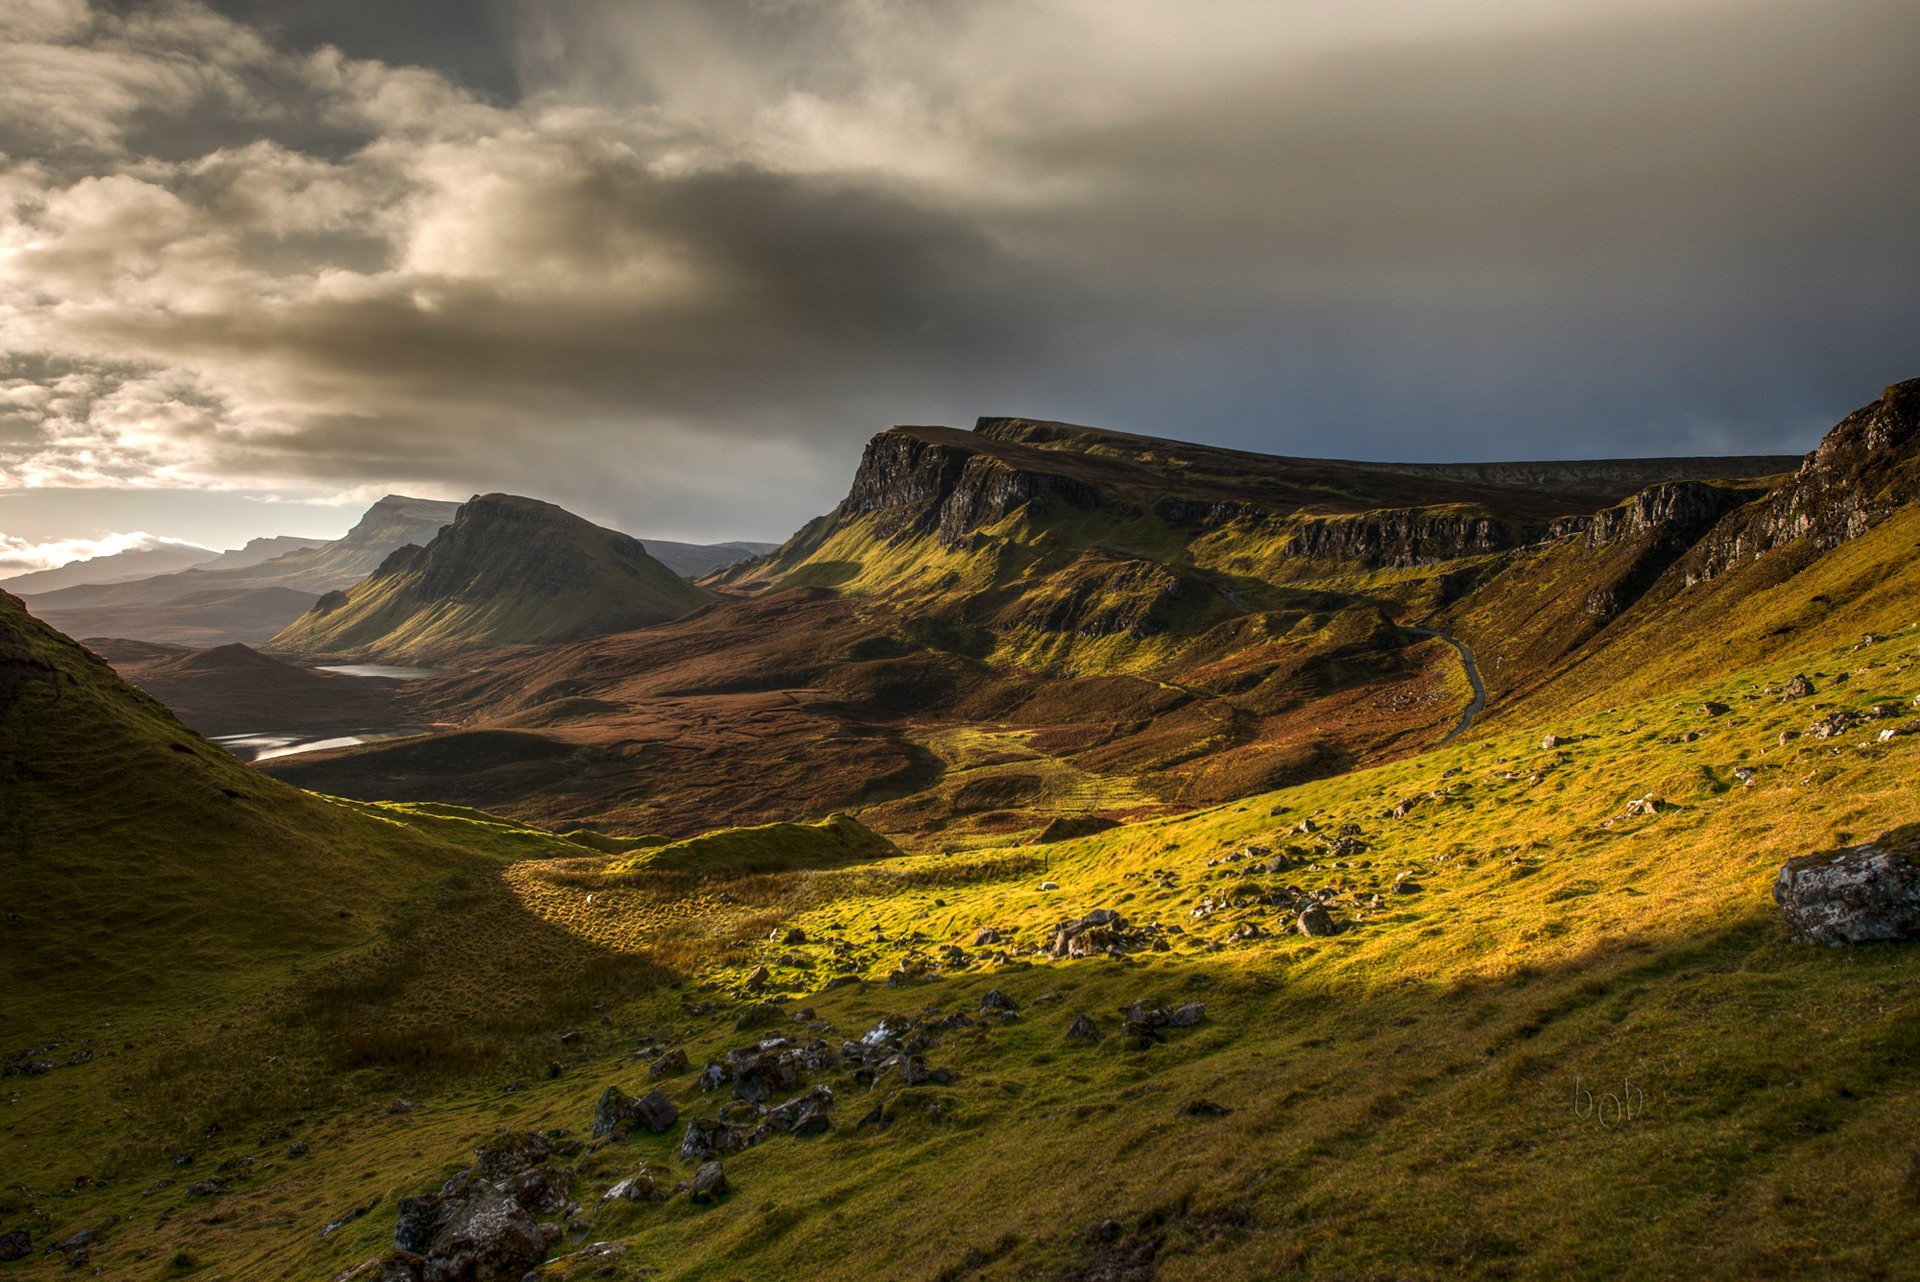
{"x": 1680, "y": 511}
{"x": 1867, "y": 466}
{"x": 918, "y": 486}
{"x": 1400, "y": 538}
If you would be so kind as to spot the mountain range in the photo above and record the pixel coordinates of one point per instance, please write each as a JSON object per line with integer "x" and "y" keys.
{"x": 250, "y": 594}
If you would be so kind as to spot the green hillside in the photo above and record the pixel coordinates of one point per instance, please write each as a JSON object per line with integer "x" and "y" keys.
{"x": 1401, "y": 1099}
{"x": 508, "y": 571}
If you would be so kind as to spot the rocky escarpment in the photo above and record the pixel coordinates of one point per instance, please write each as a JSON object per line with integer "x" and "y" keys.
{"x": 1105, "y": 594}
{"x": 1867, "y": 466}
{"x": 916, "y": 485}
{"x": 1651, "y": 531}
{"x": 1679, "y": 511}
{"x": 1398, "y": 538}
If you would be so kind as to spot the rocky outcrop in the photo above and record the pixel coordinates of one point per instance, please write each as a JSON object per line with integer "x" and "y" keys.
{"x": 1853, "y": 896}
{"x": 1675, "y": 512}
{"x": 1397, "y": 538}
{"x": 917, "y": 485}
{"x": 492, "y": 1222}
{"x": 1105, "y": 594}
{"x": 1867, "y": 466}
{"x": 1654, "y": 529}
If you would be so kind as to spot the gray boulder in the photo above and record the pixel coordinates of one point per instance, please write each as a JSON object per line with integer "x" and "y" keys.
{"x": 709, "y": 1182}
{"x": 1315, "y": 920}
{"x": 1853, "y": 896}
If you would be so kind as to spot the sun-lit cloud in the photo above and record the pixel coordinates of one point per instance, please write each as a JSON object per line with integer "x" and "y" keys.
{"x": 18, "y": 556}
{"x": 701, "y": 252}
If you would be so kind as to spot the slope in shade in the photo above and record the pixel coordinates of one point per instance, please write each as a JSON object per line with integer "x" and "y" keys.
{"x": 125, "y": 838}
{"x": 507, "y": 571}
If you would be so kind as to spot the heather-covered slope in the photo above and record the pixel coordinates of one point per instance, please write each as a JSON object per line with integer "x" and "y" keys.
{"x": 507, "y": 571}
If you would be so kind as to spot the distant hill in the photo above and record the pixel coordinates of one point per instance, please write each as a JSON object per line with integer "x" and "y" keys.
{"x": 694, "y": 560}
{"x": 137, "y": 563}
{"x": 233, "y": 689}
{"x": 247, "y": 616}
{"x": 247, "y": 595}
{"x": 507, "y": 571}
{"x": 259, "y": 550}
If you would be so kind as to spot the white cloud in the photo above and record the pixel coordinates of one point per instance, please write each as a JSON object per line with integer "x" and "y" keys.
{"x": 19, "y": 556}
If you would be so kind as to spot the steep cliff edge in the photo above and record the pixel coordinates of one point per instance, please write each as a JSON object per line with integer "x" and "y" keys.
{"x": 1866, "y": 467}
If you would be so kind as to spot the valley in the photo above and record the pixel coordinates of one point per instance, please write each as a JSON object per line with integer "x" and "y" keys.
{"x": 1078, "y": 856}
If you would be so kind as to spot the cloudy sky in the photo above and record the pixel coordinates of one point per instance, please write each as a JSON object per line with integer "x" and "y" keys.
{"x": 670, "y": 263}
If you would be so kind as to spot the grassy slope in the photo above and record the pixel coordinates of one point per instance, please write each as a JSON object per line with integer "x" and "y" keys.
{"x": 1403, "y": 1095}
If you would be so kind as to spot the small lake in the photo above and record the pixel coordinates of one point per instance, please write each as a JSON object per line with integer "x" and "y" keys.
{"x": 265, "y": 747}
{"x": 386, "y": 671}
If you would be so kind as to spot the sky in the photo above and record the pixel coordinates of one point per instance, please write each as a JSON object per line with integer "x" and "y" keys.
{"x": 671, "y": 263}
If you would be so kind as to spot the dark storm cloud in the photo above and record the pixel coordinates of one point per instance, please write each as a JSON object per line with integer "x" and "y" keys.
{"x": 674, "y": 262}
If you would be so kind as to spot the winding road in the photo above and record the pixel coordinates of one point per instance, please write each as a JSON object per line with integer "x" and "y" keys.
{"x": 1479, "y": 703}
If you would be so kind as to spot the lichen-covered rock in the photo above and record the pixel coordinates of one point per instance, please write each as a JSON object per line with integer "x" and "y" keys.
{"x": 1853, "y": 896}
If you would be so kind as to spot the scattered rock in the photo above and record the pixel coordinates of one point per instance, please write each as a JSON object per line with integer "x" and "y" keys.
{"x": 1799, "y": 688}
{"x": 1865, "y": 893}
{"x": 78, "y": 1249}
{"x": 646, "y": 1185}
{"x": 570, "y": 1264}
{"x": 709, "y": 1183}
{"x": 1103, "y": 931}
{"x": 1712, "y": 709}
{"x": 1049, "y": 885}
{"x": 1083, "y": 1029}
{"x": 1830, "y": 726}
{"x": 997, "y": 1000}
{"x": 357, "y": 1213}
{"x": 1187, "y": 1015}
{"x": 672, "y": 1062}
{"x": 299, "y": 1148}
{"x": 1745, "y": 774}
{"x": 480, "y": 1225}
{"x": 804, "y": 1115}
{"x": 15, "y": 1244}
{"x": 986, "y": 937}
{"x": 709, "y": 1137}
{"x": 1549, "y": 743}
{"x": 617, "y": 1115}
{"x": 1315, "y": 920}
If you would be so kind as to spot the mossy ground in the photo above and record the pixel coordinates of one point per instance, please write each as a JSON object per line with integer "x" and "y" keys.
{"x": 1407, "y": 1098}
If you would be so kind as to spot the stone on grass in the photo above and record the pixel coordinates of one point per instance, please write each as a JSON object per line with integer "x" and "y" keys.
{"x": 709, "y": 1183}
{"x": 1853, "y": 896}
